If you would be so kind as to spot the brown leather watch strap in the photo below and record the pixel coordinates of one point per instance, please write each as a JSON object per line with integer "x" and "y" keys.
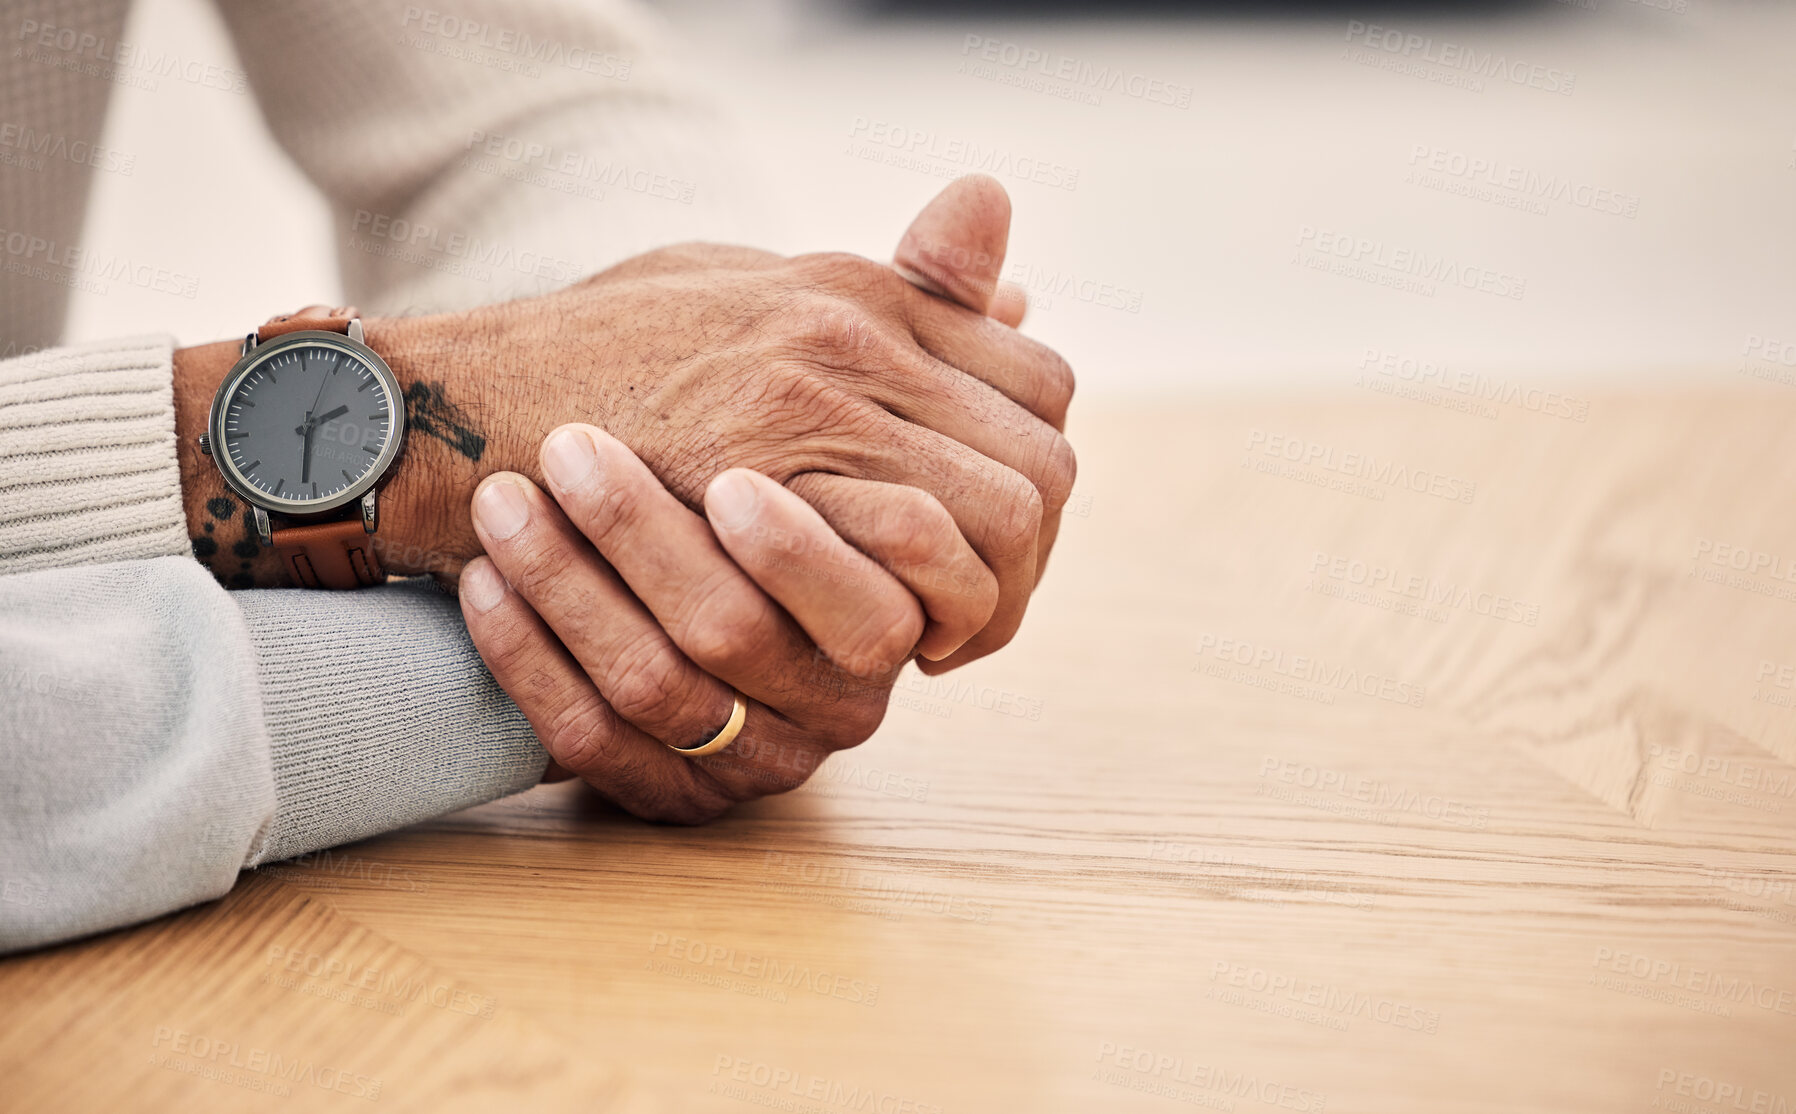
{"x": 324, "y": 554}
{"x": 327, "y": 318}
{"x": 329, "y": 555}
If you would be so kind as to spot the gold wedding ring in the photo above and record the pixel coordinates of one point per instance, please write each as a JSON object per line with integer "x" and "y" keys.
{"x": 724, "y": 737}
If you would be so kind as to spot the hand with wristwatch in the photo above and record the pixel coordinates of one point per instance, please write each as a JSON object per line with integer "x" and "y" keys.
{"x": 304, "y": 428}
{"x": 886, "y": 425}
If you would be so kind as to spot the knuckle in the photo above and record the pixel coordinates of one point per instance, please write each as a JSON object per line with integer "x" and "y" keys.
{"x": 1054, "y": 384}
{"x": 840, "y": 676}
{"x": 782, "y": 781}
{"x": 981, "y": 589}
{"x": 792, "y": 387}
{"x": 583, "y": 736}
{"x": 861, "y": 279}
{"x": 501, "y": 639}
{"x": 724, "y": 778}
{"x": 1059, "y": 472}
{"x": 914, "y": 528}
{"x": 615, "y": 506}
{"x": 853, "y": 722}
{"x": 588, "y": 740}
{"x": 648, "y": 687}
{"x": 1058, "y": 382}
{"x": 1016, "y": 514}
{"x": 1047, "y": 378}
{"x": 537, "y": 564}
{"x": 920, "y": 542}
{"x": 837, "y": 331}
{"x": 517, "y": 660}
{"x": 796, "y": 395}
{"x": 764, "y": 766}
{"x": 886, "y": 636}
{"x": 529, "y": 675}
{"x": 702, "y": 801}
{"x": 974, "y": 591}
{"x": 721, "y": 630}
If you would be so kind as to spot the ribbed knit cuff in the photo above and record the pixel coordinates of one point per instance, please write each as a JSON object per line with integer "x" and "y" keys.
{"x": 87, "y": 456}
{"x": 380, "y": 714}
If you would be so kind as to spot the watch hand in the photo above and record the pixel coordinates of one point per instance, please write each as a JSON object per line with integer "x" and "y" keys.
{"x": 306, "y": 431}
{"x": 323, "y": 381}
{"x": 311, "y": 425}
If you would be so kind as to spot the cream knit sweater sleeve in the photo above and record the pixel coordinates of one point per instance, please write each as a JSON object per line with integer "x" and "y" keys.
{"x": 87, "y": 456}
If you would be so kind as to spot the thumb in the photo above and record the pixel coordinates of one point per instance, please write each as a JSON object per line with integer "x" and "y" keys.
{"x": 1009, "y": 304}
{"x": 955, "y": 248}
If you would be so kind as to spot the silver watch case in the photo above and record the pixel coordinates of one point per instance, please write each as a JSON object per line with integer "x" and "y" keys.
{"x": 254, "y": 355}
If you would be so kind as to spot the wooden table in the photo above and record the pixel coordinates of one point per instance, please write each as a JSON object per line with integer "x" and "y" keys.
{"x": 1387, "y": 751}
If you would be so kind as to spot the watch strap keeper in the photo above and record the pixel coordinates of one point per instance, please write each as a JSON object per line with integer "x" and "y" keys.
{"x": 329, "y": 555}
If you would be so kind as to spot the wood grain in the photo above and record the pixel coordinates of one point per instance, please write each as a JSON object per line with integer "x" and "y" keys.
{"x": 1238, "y": 823}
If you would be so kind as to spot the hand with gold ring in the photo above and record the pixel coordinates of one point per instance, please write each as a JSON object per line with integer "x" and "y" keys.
{"x": 680, "y": 663}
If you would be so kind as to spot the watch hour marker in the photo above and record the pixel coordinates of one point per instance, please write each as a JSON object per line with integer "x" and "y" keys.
{"x": 251, "y": 466}
{"x": 314, "y": 489}
{"x": 246, "y": 402}
{"x": 347, "y": 478}
{"x": 279, "y": 485}
{"x": 370, "y": 452}
{"x": 364, "y": 386}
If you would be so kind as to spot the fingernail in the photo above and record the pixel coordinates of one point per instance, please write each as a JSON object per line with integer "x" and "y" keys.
{"x": 731, "y": 500}
{"x": 568, "y": 458}
{"x": 501, "y": 509}
{"x": 482, "y": 586}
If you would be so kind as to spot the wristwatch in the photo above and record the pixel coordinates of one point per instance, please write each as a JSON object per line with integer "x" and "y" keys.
{"x": 305, "y": 427}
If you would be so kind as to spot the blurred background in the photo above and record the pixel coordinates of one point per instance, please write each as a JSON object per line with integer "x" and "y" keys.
{"x": 1206, "y": 196}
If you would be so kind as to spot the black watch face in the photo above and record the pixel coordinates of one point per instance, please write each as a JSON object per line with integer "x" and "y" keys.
{"x": 309, "y": 426}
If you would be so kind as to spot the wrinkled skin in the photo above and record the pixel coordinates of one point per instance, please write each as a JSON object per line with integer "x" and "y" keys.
{"x": 927, "y": 434}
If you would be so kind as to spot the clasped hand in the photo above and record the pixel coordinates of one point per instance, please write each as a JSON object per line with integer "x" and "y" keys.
{"x": 880, "y": 469}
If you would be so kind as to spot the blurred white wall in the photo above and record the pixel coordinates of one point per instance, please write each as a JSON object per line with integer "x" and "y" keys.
{"x": 1217, "y": 224}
